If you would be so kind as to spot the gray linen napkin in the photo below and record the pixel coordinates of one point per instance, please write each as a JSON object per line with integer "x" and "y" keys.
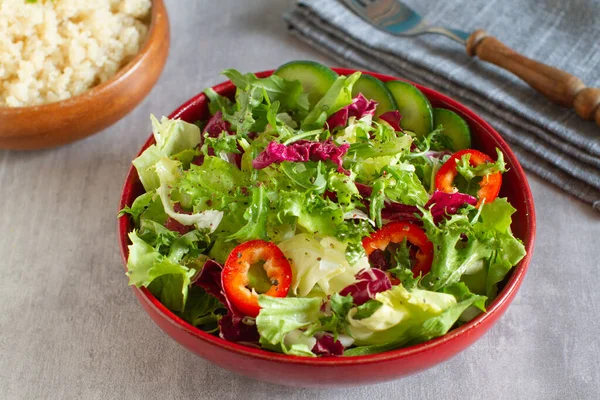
{"x": 549, "y": 140}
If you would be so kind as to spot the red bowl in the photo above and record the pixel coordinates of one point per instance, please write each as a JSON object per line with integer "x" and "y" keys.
{"x": 346, "y": 371}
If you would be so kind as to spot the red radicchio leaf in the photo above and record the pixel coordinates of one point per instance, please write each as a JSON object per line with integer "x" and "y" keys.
{"x": 437, "y": 154}
{"x": 441, "y": 204}
{"x": 327, "y": 346}
{"x": 448, "y": 203}
{"x": 364, "y": 190}
{"x": 199, "y": 160}
{"x": 234, "y": 326}
{"x": 359, "y": 107}
{"x": 394, "y": 211}
{"x": 377, "y": 259}
{"x": 216, "y": 124}
{"x": 302, "y": 151}
{"x": 209, "y": 279}
{"x": 176, "y": 226}
{"x": 370, "y": 281}
{"x": 393, "y": 118}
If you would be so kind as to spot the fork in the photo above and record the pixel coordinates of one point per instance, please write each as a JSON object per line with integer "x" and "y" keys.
{"x": 560, "y": 87}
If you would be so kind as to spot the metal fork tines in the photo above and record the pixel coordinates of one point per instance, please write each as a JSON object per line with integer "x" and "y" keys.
{"x": 397, "y": 18}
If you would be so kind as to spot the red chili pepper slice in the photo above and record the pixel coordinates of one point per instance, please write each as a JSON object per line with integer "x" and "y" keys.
{"x": 489, "y": 185}
{"x": 396, "y": 232}
{"x": 235, "y": 274}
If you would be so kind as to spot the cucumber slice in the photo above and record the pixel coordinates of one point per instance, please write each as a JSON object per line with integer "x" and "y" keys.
{"x": 373, "y": 89}
{"x": 316, "y": 78}
{"x": 413, "y": 106}
{"x": 454, "y": 127}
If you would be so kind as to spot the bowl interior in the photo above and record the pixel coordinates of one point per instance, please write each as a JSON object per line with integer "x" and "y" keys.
{"x": 485, "y": 138}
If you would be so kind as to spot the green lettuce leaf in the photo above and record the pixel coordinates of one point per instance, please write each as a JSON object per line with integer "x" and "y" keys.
{"x": 400, "y": 310}
{"x": 242, "y": 119}
{"x": 288, "y": 93}
{"x": 144, "y": 165}
{"x": 352, "y": 232}
{"x": 222, "y": 145}
{"x": 169, "y": 173}
{"x": 339, "y": 95}
{"x": 166, "y": 279}
{"x": 452, "y": 257}
{"x": 367, "y": 309}
{"x": 319, "y": 263}
{"x": 334, "y": 320}
{"x": 202, "y": 309}
{"x": 494, "y": 227}
{"x": 156, "y": 235}
{"x": 318, "y": 215}
{"x": 489, "y": 244}
{"x": 306, "y": 175}
{"x": 358, "y": 130}
{"x": 256, "y": 215}
{"x": 403, "y": 185}
{"x": 174, "y": 135}
{"x": 407, "y": 318}
{"x": 393, "y": 147}
{"x": 217, "y": 102}
{"x": 279, "y": 317}
{"x": 139, "y": 205}
{"x": 469, "y": 172}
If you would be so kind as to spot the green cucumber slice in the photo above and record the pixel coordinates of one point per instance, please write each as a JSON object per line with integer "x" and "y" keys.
{"x": 316, "y": 78}
{"x": 454, "y": 127}
{"x": 414, "y": 107}
{"x": 373, "y": 89}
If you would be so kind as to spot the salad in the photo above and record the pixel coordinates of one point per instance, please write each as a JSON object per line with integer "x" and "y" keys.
{"x": 320, "y": 215}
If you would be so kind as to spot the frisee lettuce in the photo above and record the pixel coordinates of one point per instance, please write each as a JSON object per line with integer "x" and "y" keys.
{"x": 347, "y": 177}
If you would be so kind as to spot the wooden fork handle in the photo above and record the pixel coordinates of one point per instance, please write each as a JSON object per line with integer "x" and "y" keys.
{"x": 558, "y": 86}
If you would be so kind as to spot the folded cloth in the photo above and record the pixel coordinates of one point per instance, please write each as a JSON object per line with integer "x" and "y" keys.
{"x": 549, "y": 140}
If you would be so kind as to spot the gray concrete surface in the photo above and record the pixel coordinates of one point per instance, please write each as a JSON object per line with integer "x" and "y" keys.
{"x": 70, "y": 328}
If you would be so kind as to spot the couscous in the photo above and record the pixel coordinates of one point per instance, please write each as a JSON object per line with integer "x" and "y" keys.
{"x": 53, "y": 50}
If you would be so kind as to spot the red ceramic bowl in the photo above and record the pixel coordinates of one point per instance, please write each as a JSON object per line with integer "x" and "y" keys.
{"x": 347, "y": 371}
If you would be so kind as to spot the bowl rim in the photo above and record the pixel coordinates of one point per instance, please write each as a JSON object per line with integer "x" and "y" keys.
{"x": 500, "y": 302}
{"x": 156, "y": 11}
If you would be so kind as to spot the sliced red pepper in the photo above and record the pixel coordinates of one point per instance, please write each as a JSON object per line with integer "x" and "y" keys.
{"x": 235, "y": 274}
{"x": 396, "y": 232}
{"x": 489, "y": 185}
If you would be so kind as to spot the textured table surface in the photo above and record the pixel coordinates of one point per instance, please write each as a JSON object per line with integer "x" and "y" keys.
{"x": 70, "y": 328}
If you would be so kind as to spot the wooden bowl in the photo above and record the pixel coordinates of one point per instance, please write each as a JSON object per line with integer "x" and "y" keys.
{"x": 346, "y": 371}
{"x": 55, "y": 124}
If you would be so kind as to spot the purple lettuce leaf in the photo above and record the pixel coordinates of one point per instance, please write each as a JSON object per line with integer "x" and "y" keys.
{"x": 364, "y": 190}
{"x": 216, "y": 124}
{"x": 176, "y": 226}
{"x": 443, "y": 204}
{"x": 437, "y": 154}
{"x": 302, "y": 151}
{"x": 233, "y": 326}
{"x": 236, "y": 328}
{"x": 393, "y": 118}
{"x": 327, "y": 346}
{"x": 209, "y": 279}
{"x": 370, "y": 281}
{"x": 359, "y": 107}
{"x": 394, "y": 211}
{"x": 377, "y": 259}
